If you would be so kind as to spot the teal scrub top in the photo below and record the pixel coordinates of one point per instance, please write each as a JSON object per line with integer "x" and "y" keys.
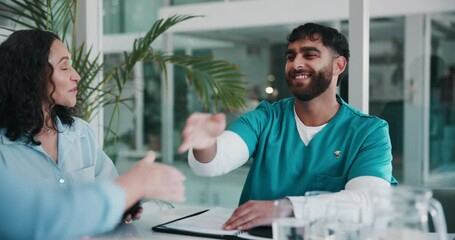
{"x": 352, "y": 144}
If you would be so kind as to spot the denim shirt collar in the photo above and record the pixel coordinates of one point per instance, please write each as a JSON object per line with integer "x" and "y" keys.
{"x": 69, "y": 133}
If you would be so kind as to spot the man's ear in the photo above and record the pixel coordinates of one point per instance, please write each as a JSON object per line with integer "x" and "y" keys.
{"x": 339, "y": 65}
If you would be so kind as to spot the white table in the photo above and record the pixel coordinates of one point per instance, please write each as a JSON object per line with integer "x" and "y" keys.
{"x": 155, "y": 214}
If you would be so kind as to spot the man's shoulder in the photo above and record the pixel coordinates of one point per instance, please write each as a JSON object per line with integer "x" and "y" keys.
{"x": 356, "y": 112}
{"x": 351, "y": 110}
{"x": 266, "y": 113}
{"x": 358, "y": 117}
{"x": 272, "y": 110}
{"x": 279, "y": 105}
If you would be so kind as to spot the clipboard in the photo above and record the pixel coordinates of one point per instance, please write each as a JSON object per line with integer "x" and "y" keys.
{"x": 169, "y": 227}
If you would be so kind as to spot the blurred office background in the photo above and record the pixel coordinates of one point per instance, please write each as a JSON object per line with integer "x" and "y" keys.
{"x": 410, "y": 76}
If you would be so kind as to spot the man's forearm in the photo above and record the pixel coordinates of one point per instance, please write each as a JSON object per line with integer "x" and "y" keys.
{"x": 205, "y": 155}
{"x": 229, "y": 153}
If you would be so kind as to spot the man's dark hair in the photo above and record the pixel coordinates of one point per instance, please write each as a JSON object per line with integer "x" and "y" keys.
{"x": 330, "y": 38}
{"x": 25, "y": 73}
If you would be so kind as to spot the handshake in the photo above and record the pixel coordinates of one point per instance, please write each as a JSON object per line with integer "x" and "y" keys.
{"x": 149, "y": 179}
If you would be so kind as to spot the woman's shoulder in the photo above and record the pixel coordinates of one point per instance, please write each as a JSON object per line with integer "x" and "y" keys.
{"x": 80, "y": 127}
{"x": 79, "y": 122}
{"x": 3, "y": 138}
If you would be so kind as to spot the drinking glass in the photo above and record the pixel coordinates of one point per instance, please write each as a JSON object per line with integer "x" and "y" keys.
{"x": 402, "y": 213}
{"x": 345, "y": 220}
{"x": 289, "y": 229}
{"x": 313, "y": 210}
{"x": 284, "y": 225}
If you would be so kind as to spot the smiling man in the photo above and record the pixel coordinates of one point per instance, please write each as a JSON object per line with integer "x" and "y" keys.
{"x": 312, "y": 141}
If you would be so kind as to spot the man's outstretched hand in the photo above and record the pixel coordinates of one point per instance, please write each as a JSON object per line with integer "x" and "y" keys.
{"x": 201, "y": 130}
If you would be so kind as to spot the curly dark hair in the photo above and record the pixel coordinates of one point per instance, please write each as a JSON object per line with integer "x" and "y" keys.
{"x": 330, "y": 38}
{"x": 25, "y": 73}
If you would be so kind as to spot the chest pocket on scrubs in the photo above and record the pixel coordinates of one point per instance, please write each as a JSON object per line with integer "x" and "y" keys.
{"x": 86, "y": 174}
{"x": 328, "y": 183}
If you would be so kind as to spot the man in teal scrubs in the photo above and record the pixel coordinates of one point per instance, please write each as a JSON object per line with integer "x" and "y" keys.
{"x": 312, "y": 141}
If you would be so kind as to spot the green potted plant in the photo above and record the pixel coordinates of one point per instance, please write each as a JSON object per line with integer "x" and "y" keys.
{"x": 216, "y": 82}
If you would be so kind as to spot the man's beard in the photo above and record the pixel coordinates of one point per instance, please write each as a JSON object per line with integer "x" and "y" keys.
{"x": 320, "y": 82}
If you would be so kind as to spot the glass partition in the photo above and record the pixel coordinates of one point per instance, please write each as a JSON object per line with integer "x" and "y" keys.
{"x": 121, "y": 16}
{"x": 442, "y": 94}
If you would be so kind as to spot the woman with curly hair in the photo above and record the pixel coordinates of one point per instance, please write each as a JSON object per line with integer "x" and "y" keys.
{"x": 40, "y": 137}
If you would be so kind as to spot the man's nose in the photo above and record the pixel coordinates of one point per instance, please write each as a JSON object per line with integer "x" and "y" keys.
{"x": 299, "y": 62}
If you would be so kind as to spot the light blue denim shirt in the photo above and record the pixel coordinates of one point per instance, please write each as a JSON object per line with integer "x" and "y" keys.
{"x": 34, "y": 211}
{"x": 80, "y": 159}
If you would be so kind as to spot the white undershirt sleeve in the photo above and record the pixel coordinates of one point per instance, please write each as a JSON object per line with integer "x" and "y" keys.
{"x": 231, "y": 153}
{"x": 356, "y": 191}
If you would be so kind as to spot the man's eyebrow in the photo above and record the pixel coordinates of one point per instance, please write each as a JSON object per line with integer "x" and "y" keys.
{"x": 63, "y": 58}
{"x": 290, "y": 51}
{"x": 309, "y": 49}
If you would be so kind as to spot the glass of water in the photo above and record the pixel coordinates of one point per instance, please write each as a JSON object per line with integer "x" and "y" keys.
{"x": 313, "y": 210}
{"x": 285, "y": 226}
{"x": 345, "y": 220}
{"x": 289, "y": 229}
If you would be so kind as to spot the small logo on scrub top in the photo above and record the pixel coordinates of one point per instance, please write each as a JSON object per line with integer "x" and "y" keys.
{"x": 337, "y": 153}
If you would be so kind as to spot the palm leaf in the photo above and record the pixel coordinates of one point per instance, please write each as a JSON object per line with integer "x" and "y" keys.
{"x": 215, "y": 80}
{"x": 26, "y": 13}
{"x": 62, "y": 16}
{"x": 50, "y": 15}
